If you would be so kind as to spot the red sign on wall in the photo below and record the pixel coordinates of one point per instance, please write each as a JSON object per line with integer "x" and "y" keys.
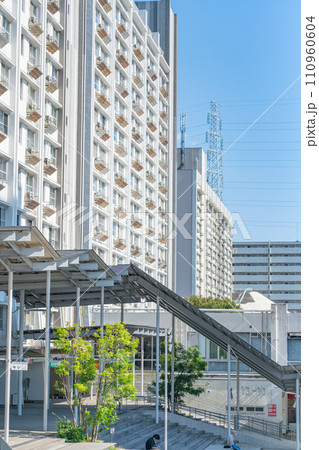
{"x": 272, "y": 410}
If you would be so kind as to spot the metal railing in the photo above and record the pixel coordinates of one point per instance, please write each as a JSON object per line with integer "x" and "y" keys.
{"x": 238, "y": 422}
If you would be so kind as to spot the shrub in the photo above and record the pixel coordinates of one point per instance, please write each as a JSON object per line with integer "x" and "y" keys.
{"x": 68, "y": 431}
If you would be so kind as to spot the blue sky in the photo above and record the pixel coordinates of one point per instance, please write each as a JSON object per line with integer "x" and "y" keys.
{"x": 244, "y": 55}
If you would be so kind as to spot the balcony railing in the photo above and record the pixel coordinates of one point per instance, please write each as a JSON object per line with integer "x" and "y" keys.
{"x": 138, "y": 80}
{"x": 30, "y": 201}
{"x": 135, "y": 250}
{"x": 136, "y": 193}
{"x": 100, "y": 233}
{"x": 33, "y": 113}
{"x": 151, "y": 97}
{"x": 150, "y": 176}
{"x": 31, "y": 156}
{"x": 52, "y": 44}
{"x": 101, "y": 165}
{"x": 103, "y": 99}
{"x": 161, "y": 211}
{"x": 103, "y": 33}
{"x": 48, "y": 209}
{"x": 49, "y": 166}
{"x": 119, "y": 243}
{"x": 162, "y": 264}
{"x": 122, "y": 29}
{"x": 101, "y": 199}
{"x": 151, "y": 125}
{"x": 150, "y": 204}
{"x": 4, "y": 84}
{"x": 50, "y": 124}
{"x": 150, "y": 150}
{"x": 136, "y": 135}
{"x": 120, "y": 180}
{"x": 102, "y": 132}
{"x": 34, "y": 26}
{"x": 120, "y": 149}
{"x": 120, "y": 212}
{"x": 122, "y": 89}
{"x": 162, "y": 187}
{"x": 121, "y": 119}
{"x": 53, "y": 6}
{"x": 162, "y": 239}
{"x": 51, "y": 83}
{"x": 136, "y": 222}
{"x": 101, "y": 64}
{"x": 3, "y": 132}
{"x": 137, "y": 107}
{"x": 163, "y": 113}
{"x": 150, "y": 230}
{"x": 163, "y": 138}
{"x": 122, "y": 58}
{"x": 151, "y": 72}
{"x": 163, "y": 91}
{"x": 150, "y": 257}
{"x": 136, "y": 164}
{"x": 138, "y": 52}
{"x": 163, "y": 163}
{"x": 106, "y": 5}
{"x": 4, "y": 37}
{"x": 34, "y": 69}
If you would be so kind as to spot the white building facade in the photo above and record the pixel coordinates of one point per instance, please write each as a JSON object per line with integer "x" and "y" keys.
{"x": 87, "y": 128}
{"x": 271, "y": 268}
{"x": 204, "y": 240}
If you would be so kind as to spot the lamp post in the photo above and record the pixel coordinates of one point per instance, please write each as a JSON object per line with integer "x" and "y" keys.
{"x": 168, "y": 337}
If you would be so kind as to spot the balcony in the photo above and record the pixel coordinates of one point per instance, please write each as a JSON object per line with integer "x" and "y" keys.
{"x": 135, "y": 250}
{"x": 3, "y": 180}
{"x": 119, "y": 243}
{"x": 120, "y": 149}
{"x": 162, "y": 264}
{"x": 161, "y": 211}
{"x": 100, "y": 233}
{"x": 136, "y": 222}
{"x": 122, "y": 58}
{"x": 51, "y": 84}
{"x": 136, "y": 135}
{"x": 31, "y": 156}
{"x": 162, "y": 239}
{"x": 151, "y": 125}
{"x": 50, "y": 124}
{"x": 48, "y": 209}
{"x": 103, "y": 33}
{"x": 34, "y": 70}
{"x": 138, "y": 53}
{"x": 162, "y": 187}
{"x": 3, "y": 132}
{"x": 151, "y": 72}
{"x": 102, "y": 132}
{"x": 33, "y": 111}
{"x": 149, "y": 257}
{"x": 122, "y": 89}
{"x": 136, "y": 164}
{"x": 150, "y": 176}
{"x": 137, "y": 107}
{"x": 163, "y": 91}
{"x": 163, "y": 113}
{"x": 120, "y": 180}
{"x": 163, "y": 163}
{"x": 101, "y": 165}
{"x": 101, "y": 199}
{"x": 120, "y": 212}
{"x": 4, "y": 84}
{"x": 4, "y": 37}
{"x": 121, "y": 119}
{"x": 150, "y": 203}
{"x": 122, "y": 29}
{"x": 30, "y": 201}
{"x": 163, "y": 138}
{"x": 150, "y": 230}
{"x": 34, "y": 26}
{"x": 136, "y": 193}
{"x": 106, "y": 5}
{"x": 52, "y": 44}
{"x": 53, "y": 6}
{"x": 150, "y": 150}
{"x": 137, "y": 80}
{"x": 101, "y": 64}
{"x": 151, "y": 97}
{"x": 49, "y": 166}
{"x": 102, "y": 99}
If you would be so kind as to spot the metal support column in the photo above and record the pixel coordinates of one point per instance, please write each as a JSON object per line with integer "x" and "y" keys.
{"x": 157, "y": 358}
{"x": 297, "y": 413}
{"x": 102, "y": 321}
{"x": 238, "y": 395}
{"x": 142, "y": 365}
{"x": 20, "y": 374}
{"x": 122, "y": 312}
{"x": 172, "y": 364}
{"x": 47, "y": 354}
{"x": 165, "y": 395}
{"x": 228, "y": 392}
{"x": 8, "y": 359}
{"x": 77, "y": 323}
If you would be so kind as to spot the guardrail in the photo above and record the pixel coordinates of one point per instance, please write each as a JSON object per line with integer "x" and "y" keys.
{"x": 238, "y": 422}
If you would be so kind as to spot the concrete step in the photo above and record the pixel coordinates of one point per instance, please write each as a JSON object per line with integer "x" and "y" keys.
{"x": 146, "y": 431}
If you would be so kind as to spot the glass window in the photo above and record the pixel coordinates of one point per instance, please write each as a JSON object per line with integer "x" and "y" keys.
{"x": 3, "y": 122}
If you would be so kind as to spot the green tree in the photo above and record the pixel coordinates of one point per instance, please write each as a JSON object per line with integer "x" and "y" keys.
{"x": 112, "y": 373}
{"x": 188, "y": 367}
{"x": 212, "y": 303}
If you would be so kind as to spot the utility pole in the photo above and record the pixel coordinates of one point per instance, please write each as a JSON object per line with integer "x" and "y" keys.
{"x": 214, "y": 151}
{"x": 183, "y": 132}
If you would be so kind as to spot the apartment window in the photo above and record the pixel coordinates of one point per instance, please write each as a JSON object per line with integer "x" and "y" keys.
{"x": 29, "y": 182}
{"x": 3, "y": 169}
{"x": 4, "y": 73}
{"x": 30, "y": 139}
{"x": 33, "y": 52}
{"x": 3, "y": 122}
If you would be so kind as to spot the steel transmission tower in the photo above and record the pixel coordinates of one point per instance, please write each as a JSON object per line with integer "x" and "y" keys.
{"x": 214, "y": 151}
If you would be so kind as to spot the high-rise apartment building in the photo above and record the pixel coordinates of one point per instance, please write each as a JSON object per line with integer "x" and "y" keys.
{"x": 271, "y": 268}
{"x": 87, "y": 100}
{"x": 204, "y": 239}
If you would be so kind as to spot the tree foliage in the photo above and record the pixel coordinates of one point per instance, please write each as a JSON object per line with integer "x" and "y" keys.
{"x": 188, "y": 367}
{"x": 112, "y": 373}
{"x": 212, "y": 303}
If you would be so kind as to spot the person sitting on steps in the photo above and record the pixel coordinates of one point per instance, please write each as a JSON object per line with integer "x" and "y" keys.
{"x": 151, "y": 442}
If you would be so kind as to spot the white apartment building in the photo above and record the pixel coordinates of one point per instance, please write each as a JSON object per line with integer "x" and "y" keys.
{"x": 204, "y": 239}
{"x": 271, "y": 268}
{"x": 87, "y": 128}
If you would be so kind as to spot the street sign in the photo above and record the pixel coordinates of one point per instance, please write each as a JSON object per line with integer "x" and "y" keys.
{"x": 19, "y": 365}
{"x": 54, "y": 364}
{"x": 272, "y": 410}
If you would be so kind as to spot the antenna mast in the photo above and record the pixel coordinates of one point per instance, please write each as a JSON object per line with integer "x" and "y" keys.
{"x": 183, "y": 132}
{"x": 214, "y": 152}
